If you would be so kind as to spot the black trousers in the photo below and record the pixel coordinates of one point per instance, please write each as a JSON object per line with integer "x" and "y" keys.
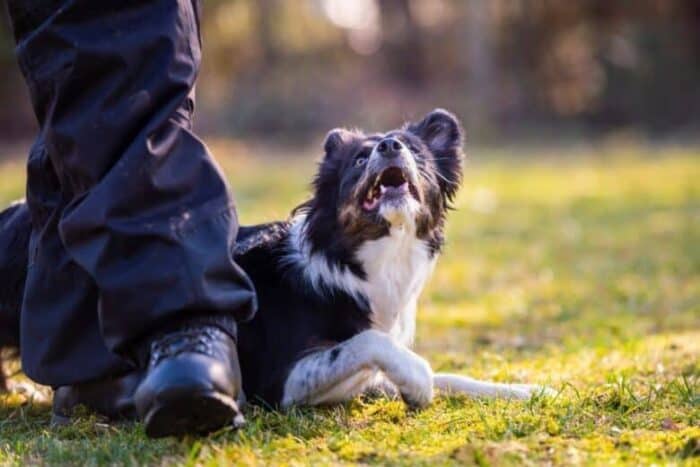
{"x": 133, "y": 223}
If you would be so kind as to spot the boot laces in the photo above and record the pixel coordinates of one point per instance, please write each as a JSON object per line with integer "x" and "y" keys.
{"x": 188, "y": 340}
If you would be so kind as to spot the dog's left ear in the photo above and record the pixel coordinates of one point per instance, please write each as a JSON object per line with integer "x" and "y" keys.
{"x": 443, "y": 134}
{"x": 335, "y": 139}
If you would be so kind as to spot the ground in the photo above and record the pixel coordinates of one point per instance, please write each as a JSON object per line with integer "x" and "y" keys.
{"x": 577, "y": 267}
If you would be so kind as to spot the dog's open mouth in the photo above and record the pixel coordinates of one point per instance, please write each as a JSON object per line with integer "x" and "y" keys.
{"x": 391, "y": 183}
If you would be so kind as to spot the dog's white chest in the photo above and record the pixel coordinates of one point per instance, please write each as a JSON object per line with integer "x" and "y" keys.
{"x": 397, "y": 267}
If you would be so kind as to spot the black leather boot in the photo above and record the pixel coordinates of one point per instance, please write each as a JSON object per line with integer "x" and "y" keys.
{"x": 192, "y": 385}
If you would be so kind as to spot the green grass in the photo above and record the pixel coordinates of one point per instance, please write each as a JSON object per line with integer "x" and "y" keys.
{"x": 579, "y": 269}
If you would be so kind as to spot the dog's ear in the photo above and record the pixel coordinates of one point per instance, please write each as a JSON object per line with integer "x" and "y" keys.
{"x": 441, "y": 132}
{"x": 327, "y": 178}
{"x": 335, "y": 139}
{"x": 443, "y": 135}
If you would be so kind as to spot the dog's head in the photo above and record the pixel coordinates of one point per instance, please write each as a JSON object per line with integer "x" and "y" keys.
{"x": 369, "y": 184}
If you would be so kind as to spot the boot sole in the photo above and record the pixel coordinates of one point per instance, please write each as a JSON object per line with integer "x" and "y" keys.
{"x": 189, "y": 413}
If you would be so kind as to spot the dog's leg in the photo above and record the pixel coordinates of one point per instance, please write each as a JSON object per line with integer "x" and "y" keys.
{"x": 345, "y": 370}
{"x": 381, "y": 387}
{"x": 457, "y": 384}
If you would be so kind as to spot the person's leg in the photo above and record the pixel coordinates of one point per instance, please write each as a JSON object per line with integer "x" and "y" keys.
{"x": 61, "y": 326}
{"x": 15, "y": 229}
{"x": 133, "y": 222}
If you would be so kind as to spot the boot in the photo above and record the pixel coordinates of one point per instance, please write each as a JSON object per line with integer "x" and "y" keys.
{"x": 192, "y": 384}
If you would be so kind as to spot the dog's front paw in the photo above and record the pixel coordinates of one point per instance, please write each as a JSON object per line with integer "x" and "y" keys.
{"x": 415, "y": 383}
{"x": 383, "y": 389}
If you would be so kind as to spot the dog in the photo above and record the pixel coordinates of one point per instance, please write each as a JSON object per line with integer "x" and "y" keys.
{"x": 339, "y": 281}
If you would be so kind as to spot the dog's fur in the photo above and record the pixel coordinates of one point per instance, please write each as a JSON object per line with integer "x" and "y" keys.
{"x": 338, "y": 283}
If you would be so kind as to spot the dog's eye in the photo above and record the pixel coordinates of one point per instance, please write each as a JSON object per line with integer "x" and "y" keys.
{"x": 360, "y": 161}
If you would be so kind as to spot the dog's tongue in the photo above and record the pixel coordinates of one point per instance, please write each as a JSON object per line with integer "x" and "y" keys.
{"x": 370, "y": 205}
{"x": 394, "y": 190}
{"x": 386, "y": 191}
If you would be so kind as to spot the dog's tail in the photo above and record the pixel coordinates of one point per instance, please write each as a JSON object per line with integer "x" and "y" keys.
{"x": 456, "y": 384}
{"x": 15, "y": 228}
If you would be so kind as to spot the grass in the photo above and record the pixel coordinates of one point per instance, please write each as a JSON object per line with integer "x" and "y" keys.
{"x": 579, "y": 269}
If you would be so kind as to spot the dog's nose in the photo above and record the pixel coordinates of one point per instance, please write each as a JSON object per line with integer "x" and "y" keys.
{"x": 389, "y": 147}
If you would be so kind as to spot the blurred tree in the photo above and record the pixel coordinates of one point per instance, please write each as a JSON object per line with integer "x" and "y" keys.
{"x": 298, "y": 67}
{"x": 405, "y": 48}
{"x": 16, "y": 118}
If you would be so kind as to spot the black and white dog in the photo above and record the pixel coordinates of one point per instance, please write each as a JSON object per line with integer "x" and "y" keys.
{"x": 338, "y": 283}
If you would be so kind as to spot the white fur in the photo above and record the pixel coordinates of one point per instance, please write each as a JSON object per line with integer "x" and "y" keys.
{"x": 314, "y": 381}
{"x": 318, "y": 271}
{"x": 370, "y": 355}
{"x": 457, "y": 384}
{"x": 397, "y": 268}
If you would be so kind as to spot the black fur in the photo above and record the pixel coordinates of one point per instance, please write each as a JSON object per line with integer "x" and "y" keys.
{"x": 293, "y": 317}
{"x": 292, "y": 320}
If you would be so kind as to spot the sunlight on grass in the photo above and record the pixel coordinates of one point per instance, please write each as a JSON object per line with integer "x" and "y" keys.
{"x": 576, "y": 269}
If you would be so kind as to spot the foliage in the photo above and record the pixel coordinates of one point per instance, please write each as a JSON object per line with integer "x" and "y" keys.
{"x": 575, "y": 268}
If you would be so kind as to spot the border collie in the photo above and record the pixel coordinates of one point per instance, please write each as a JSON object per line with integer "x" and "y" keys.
{"x": 338, "y": 283}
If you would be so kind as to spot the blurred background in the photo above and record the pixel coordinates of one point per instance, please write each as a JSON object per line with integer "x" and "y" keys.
{"x": 514, "y": 70}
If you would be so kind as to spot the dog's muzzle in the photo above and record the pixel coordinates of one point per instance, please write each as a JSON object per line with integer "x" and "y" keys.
{"x": 392, "y": 175}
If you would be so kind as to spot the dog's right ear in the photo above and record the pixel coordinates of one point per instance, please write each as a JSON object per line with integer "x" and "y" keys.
{"x": 336, "y": 139}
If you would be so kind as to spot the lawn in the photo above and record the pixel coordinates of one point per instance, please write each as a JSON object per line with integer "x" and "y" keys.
{"x": 578, "y": 268}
